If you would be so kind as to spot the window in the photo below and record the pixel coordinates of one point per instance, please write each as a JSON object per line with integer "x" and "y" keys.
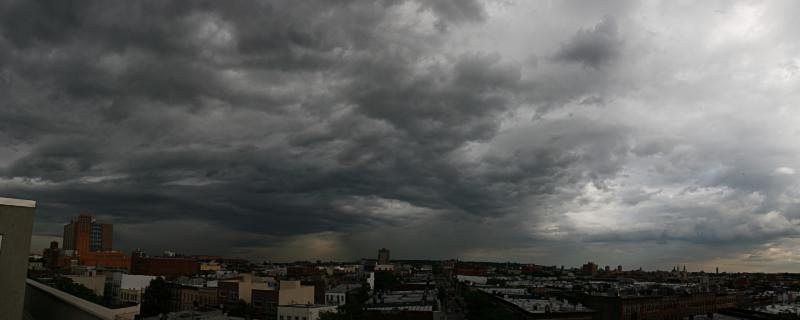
{"x": 1, "y": 241}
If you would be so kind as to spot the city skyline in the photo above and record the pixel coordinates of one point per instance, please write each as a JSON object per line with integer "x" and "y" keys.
{"x": 642, "y": 134}
{"x": 40, "y": 242}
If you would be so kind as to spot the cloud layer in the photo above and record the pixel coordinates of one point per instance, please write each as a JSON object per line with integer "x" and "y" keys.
{"x": 641, "y": 134}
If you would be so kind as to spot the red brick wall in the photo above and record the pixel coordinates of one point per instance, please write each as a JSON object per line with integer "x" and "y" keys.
{"x": 167, "y": 267}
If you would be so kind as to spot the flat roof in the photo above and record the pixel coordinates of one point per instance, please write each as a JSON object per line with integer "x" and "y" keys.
{"x": 344, "y": 288}
{"x": 403, "y": 308}
{"x": 310, "y": 306}
{"x": 17, "y": 202}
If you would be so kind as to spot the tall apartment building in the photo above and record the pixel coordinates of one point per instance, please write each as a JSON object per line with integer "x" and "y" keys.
{"x": 84, "y": 234}
{"x": 16, "y": 225}
{"x": 91, "y": 242}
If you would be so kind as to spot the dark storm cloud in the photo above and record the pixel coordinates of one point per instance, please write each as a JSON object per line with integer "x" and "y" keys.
{"x": 593, "y": 47}
{"x": 132, "y": 99}
{"x": 442, "y": 108}
{"x": 320, "y": 129}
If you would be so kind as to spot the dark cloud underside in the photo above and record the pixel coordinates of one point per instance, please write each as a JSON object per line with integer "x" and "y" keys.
{"x": 534, "y": 131}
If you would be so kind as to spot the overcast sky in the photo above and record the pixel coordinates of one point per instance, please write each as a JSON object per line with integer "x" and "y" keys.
{"x": 640, "y": 133}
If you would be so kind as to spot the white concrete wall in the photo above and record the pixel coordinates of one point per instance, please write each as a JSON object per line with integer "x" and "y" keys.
{"x": 16, "y": 224}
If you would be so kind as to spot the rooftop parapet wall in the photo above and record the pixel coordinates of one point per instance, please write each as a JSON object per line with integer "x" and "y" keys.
{"x": 43, "y": 302}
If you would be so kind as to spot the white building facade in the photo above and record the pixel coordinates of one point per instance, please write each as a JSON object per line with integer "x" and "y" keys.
{"x": 303, "y": 311}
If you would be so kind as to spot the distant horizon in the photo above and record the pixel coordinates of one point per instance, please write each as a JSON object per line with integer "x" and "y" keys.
{"x": 35, "y": 244}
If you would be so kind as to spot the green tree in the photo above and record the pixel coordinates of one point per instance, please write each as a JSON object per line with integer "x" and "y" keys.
{"x": 155, "y": 300}
{"x": 67, "y": 285}
{"x": 242, "y": 309}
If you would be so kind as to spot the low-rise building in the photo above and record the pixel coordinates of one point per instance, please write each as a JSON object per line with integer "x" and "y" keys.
{"x": 228, "y": 293}
{"x": 105, "y": 259}
{"x": 128, "y": 287}
{"x": 525, "y": 306}
{"x": 412, "y": 304}
{"x": 241, "y": 288}
{"x": 337, "y": 296}
{"x": 293, "y": 293}
{"x": 658, "y": 306}
{"x": 194, "y": 297}
{"x": 169, "y": 267}
{"x": 265, "y": 304}
{"x": 36, "y": 264}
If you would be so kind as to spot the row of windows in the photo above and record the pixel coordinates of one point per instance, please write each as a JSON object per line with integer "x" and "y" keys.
{"x": 290, "y": 318}
{"x": 202, "y": 299}
{"x": 127, "y": 296}
{"x": 335, "y": 298}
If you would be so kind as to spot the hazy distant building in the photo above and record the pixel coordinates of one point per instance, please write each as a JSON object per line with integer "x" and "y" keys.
{"x": 50, "y": 255}
{"x": 383, "y": 256}
{"x": 589, "y": 268}
{"x": 16, "y": 225}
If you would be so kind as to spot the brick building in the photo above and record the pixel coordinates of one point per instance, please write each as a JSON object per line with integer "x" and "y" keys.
{"x": 228, "y": 293}
{"x": 84, "y": 234}
{"x": 91, "y": 243}
{"x": 194, "y": 297}
{"x": 658, "y": 307}
{"x": 106, "y": 259}
{"x": 50, "y": 255}
{"x": 265, "y": 304}
{"x": 169, "y": 267}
